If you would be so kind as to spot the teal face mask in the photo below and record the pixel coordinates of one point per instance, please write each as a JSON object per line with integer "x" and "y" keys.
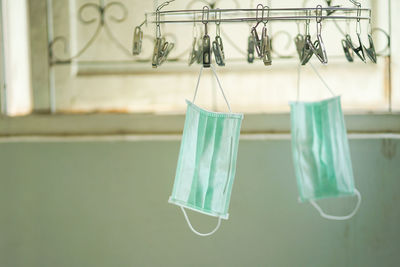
{"x": 207, "y": 161}
{"x": 321, "y": 153}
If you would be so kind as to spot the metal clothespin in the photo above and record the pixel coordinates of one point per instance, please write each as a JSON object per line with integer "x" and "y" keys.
{"x": 166, "y": 49}
{"x": 161, "y": 47}
{"x": 318, "y": 46}
{"x": 359, "y": 50}
{"x": 199, "y": 59}
{"x": 193, "y": 52}
{"x": 348, "y": 52}
{"x": 306, "y": 52}
{"x": 159, "y": 43}
{"x": 254, "y": 33}
{"x": 266, "y": 42}
{"x": 371, "y": 53}
{"x": 330, "y": 12}
{"x": 299, "y": 41}
{"x": 161, "y": 51}
{"x": 217, "y": 46}
{"x": 137, "y": 40}
{"x": 250, "y": 49}
{"x": 206, "y": 39}
{"x": 218, "y": 51}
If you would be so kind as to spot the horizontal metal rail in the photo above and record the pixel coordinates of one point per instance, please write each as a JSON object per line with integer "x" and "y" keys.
{"x": 250, "y": 15}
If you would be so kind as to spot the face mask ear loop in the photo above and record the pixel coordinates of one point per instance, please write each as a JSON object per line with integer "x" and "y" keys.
{"x": 219, "y": 84}
{"x": 194, "y": 231}
{"x": 197, "y": 86}
{"x": 322, "y": 79}
{"x": 220, "y": 87}
{"x": 298, "y": 82}
{"x": 338, "y": 218}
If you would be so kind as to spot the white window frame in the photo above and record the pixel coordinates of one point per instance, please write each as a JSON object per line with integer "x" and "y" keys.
{"x": 2, "y": 67}
{"x": 16, "y": 54}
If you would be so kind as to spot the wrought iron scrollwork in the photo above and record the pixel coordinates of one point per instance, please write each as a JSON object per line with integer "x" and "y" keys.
{"x": 102, "y": 10}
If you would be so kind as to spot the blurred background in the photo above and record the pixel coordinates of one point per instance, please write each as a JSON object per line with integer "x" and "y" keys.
{"x": 90, "y": 135}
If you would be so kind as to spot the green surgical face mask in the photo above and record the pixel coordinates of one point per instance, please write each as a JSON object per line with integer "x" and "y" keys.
{"x": 321, "y": 153}
{"x": 207, "y": 161}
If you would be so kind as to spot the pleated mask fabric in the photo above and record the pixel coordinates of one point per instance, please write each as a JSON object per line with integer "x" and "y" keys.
{"x": 207, "y": 161}
{"x": 320, "y": 150}
{"x": 321, "y": 154}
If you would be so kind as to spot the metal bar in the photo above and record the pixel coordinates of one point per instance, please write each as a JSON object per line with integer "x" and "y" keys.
{"x": 287, "y": 18}
{"x": 275, "y": 14}
{"x": 271, "y": 10}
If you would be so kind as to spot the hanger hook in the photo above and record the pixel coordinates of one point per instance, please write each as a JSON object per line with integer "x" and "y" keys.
{"x": 369, "y": 23}
{"x": 355, "y": 3}
{"x": 206, "y": 14}
{"x": 266, "y": 21}
{"x": 258, "y": 20}
{"x": 318, "y": 18}
{"x": 158, "y": 16}
{"x": 194, "y": 25}
{"x": 358, "y": 25}
{"x": 166, "y": 3}
{"x": 318, "y": 14}
{"x": 158, "y": 28}
{"x": 307, "y": 25}
{"x": 218, "y": 15}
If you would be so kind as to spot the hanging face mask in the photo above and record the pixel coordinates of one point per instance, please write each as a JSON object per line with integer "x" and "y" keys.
{"x": 321, "y": 153}
{"x": 207, "y": 161}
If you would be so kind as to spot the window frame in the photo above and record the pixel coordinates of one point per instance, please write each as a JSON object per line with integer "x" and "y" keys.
{"x": 147, "y": 124}
{"x": 3, "y": 85}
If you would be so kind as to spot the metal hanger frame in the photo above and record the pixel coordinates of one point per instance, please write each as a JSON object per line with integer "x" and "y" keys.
{"x": 250, "y": 15}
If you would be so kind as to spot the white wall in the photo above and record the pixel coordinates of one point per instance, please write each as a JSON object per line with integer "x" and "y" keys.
{"x": 105, "y": 204}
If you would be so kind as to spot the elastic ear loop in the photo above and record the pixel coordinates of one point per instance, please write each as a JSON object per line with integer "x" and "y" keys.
{"x": 196, "y": 232}
{"x": 339, "y": 218}
{"x": 219, "y": 85}
{"x": 318, "y": 75}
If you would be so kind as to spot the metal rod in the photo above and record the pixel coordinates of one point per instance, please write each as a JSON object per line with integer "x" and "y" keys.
{"x": 272, "y": 10}
{"x": 275, "y": 14}
{"x": 283, "y": 18}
